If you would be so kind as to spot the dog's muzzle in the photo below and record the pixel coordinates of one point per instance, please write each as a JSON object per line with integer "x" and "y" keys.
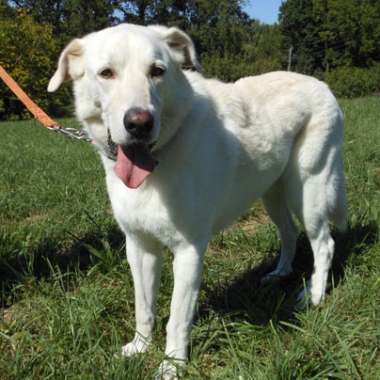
{"x": 113, "y": 147}
{"x": 134, "y": 161}
{"x": 139, "y": 124}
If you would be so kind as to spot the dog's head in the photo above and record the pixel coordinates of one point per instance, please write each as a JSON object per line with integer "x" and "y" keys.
{"x": 127, "y": 80}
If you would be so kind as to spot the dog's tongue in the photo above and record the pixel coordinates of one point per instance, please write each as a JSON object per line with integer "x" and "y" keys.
{"x": 134, "y": 163}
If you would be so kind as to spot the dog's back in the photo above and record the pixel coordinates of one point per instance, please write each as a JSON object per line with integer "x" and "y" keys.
{"x": 308, "y": 108}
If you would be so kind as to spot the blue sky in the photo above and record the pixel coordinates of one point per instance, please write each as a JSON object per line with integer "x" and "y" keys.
{"x": 264, "y": 10}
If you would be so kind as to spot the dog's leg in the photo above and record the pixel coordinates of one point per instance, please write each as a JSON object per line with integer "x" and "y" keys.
{"x": 310, "y": 204}
{"x": 276, "y": 206}
{"x": 145, "y": 258}
{"x": 187, "y": 267}
{"x": 323, "y": 251}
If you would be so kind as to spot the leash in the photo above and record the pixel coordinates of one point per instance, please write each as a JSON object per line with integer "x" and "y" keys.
{"x": 41, "y": 116}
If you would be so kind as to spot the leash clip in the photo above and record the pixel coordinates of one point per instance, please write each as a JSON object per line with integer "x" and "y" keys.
{"x": 78, "y": 134}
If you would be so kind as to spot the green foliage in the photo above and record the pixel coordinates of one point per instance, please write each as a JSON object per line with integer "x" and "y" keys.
{"x": 335, "y": 40}
{"x": 26, "y": 54}
{"x": 67, "y": 294}
{"x": 301, "y": 31}
{"x": 255, "y": 55}
{"x": 351, "y": 82}
{"x": 350, "y": 32}
{"x": 331, "y": 34}
{"x": 70, "y": 18}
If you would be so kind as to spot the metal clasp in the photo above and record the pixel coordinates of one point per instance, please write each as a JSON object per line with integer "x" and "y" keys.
{"x": 78, "y": 134}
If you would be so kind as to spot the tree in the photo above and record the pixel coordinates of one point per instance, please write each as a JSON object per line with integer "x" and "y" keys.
{"x": 70, "y": 18}
{"x": 265, "y": 49}
{"x": 137, "y": 11}
{"x": 301, "y": 30}
{"x": 350, "y": 31}
{"x": 328, "y": 34}
{"x": 216, "y": 26}
{"x": 26, "y": 53}
{"x": 81, "y": 17}
{"x": 370, "y": 31}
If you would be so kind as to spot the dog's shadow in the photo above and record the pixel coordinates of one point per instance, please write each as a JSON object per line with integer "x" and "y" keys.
{"x": 247, "y": 298}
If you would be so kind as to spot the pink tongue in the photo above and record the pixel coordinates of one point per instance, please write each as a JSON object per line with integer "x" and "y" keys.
{"x": 134, "y": 163}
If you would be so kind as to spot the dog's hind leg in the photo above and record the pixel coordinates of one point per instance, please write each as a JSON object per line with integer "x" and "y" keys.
{"x": 145, "y": 258}
{"x": 338, "y": 206}
{"x": 311, "y": 205}
{"x": 323, "y": 250}
{"x": 277, "y": 208}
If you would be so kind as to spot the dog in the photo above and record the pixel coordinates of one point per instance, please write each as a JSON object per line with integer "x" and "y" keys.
{"x": 184, "y": 156}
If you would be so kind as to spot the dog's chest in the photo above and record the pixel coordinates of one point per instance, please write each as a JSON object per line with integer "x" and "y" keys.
{"x": 143, "y": 211}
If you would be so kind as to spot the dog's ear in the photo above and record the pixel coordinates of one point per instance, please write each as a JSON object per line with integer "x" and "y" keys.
{"x": 182, "y": 45}
{"x": 70, "y": 65}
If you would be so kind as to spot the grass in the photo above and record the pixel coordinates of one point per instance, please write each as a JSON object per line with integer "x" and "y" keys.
{"x": 66, "y": 289}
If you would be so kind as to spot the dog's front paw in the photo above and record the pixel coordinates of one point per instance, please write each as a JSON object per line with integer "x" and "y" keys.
{"x": 306, "y": 297}
{"x": 138, "y": 345}
{"x": 171, "y": 369}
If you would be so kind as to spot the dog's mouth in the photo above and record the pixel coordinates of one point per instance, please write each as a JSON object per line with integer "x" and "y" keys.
{"x": 134, "y": 162}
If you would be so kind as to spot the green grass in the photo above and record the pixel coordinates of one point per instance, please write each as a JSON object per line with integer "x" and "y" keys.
{"x": 67, "y": 296}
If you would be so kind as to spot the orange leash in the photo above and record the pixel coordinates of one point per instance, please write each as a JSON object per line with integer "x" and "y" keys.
{"x": 40, "y": 115}
{"x": 29, "y": 104}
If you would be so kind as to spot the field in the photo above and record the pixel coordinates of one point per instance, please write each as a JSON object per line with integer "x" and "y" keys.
{"x": 66, "y": 290}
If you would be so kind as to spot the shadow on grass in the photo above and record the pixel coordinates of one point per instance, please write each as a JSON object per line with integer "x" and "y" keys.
{"x": 98, "y": 248}
{"x": 250, "y": 300}
{"x": 245, "y": 298}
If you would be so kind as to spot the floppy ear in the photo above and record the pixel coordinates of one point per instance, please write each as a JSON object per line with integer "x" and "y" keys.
{"x": 70, "y": 65}
{"x": 181, "y": 44}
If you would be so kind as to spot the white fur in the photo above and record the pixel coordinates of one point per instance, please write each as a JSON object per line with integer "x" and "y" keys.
{"x": 220, "y": 147}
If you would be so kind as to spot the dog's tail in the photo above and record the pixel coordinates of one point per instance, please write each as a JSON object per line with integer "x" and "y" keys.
{"x": 319, "y": 162}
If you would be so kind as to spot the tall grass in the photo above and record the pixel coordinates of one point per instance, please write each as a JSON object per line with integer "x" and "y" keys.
{"x": 67, "y": 296}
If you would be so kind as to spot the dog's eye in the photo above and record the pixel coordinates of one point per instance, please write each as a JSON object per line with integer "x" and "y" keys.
{"x": 106, "y": 73}
{"x": 157, "y": 71}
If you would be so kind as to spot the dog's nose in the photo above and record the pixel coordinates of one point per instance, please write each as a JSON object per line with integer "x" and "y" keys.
{"x": 138, "y": 122}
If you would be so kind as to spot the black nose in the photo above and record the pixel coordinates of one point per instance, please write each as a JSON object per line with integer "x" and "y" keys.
{"x": 139, "y": 123}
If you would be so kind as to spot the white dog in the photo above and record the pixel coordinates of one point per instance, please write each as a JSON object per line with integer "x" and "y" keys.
{"x": 192, "y": 154}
